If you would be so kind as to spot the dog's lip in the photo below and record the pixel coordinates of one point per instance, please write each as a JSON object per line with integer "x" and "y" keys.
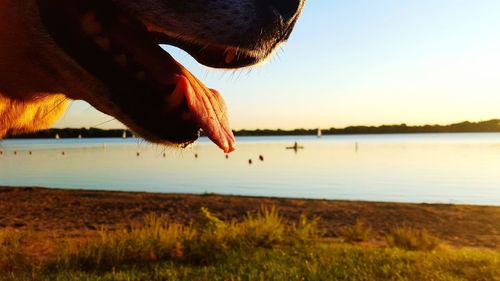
{"x": 211, "y": 55}
{"x": 206, "y": 107}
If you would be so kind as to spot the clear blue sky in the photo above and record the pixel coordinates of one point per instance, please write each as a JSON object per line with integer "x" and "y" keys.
{"x": 353, "y": 62}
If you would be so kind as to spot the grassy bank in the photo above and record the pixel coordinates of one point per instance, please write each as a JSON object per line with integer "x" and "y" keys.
{"x": 62, "y": 213}
{"x": 262, "y": 246}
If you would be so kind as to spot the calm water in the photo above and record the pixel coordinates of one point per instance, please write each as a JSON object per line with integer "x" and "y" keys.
{"x": 447, "y": 168}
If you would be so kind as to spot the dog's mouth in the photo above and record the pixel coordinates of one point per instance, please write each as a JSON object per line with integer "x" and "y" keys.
{"x": 201, "y": 107}
{"x": 217, "y": 56}
{"x": 148, "y": 90}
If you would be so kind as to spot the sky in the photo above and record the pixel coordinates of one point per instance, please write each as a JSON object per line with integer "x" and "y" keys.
{"x": 362, "y": 62}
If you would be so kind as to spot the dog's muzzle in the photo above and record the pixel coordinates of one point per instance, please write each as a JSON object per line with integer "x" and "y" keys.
{"x": 148, "y": 90}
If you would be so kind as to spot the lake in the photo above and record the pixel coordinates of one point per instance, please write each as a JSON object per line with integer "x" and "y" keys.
{"x": 432, "y": 168}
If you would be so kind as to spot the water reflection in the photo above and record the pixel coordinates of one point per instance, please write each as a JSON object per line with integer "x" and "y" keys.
{"x": 450, "y": 168}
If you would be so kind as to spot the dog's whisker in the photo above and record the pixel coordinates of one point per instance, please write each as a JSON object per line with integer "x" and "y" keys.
{"x": 105, "y": 122}
{"x": 56, "y": 106}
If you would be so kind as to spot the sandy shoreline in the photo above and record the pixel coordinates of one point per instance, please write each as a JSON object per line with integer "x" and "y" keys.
{"x": 77, "y": 213}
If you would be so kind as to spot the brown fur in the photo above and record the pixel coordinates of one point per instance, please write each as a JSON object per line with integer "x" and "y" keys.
{"x": 23, "y": 116}
{"x": 33, "y": 72}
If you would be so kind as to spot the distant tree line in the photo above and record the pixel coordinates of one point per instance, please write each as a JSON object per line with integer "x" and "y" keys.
{"x": 74, "y": 133}
{"x": 463, "y": 127}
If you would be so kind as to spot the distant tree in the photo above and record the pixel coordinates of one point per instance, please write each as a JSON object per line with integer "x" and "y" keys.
{"x": 462, "y": 127}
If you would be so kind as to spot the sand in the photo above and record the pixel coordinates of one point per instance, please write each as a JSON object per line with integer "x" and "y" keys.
{"x": 57, "y": 213}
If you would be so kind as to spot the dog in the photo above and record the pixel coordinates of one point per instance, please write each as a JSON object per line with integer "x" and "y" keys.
{"x": 107, "y": 52}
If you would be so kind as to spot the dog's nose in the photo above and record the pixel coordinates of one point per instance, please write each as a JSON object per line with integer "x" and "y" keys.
{"x": 288, "y": 9}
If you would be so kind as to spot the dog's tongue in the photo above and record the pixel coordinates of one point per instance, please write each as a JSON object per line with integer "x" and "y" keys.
{"x": 206, "y": 106}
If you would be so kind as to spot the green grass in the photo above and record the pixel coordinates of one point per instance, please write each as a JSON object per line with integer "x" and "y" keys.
{"x": 358, "y": 232}
{"x": 151, "y": 241}
{"x": 12, "y": 257}
{"x": 412, "y": 239}
{"x": 260, "y": 247}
